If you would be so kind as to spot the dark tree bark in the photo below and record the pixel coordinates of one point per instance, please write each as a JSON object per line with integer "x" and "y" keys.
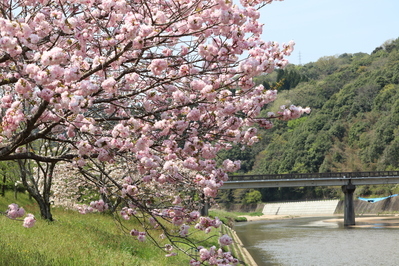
{"x": 3, "y": 185}
{"x": 42, "y": 197}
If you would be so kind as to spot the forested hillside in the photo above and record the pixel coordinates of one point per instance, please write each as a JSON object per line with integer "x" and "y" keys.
{"x": 353, "y": 126}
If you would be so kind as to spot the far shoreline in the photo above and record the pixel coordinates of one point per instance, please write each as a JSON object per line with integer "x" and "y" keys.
{"x": 362, "y": 221}
{"x": 281, "y": 217}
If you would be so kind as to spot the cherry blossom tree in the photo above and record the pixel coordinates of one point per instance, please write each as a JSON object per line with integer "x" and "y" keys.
{"x": 155, "y": 87}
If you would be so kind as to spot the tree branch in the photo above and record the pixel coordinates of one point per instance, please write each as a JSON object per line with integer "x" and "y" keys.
{"x": 33, "y": 156}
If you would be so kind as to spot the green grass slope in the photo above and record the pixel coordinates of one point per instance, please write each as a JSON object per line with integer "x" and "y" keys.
{"x": 73, "y": 239}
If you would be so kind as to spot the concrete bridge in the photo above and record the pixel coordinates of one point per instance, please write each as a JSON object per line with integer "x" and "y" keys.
{"x": 347, "y": 180}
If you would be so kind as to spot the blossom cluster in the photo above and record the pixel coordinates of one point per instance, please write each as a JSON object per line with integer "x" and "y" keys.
{"x": 225, "y": 240}
{"x": 29, "y": 221}
{"x": 98, "y": 205}
{"x": 206, "y": 224}
{"x": 292, "y": 112}
{"x": 126, "y": 213}
{"x": 141, "y": 236}
{"x": 214, "y": 256}
{"x": 14, "y": 212}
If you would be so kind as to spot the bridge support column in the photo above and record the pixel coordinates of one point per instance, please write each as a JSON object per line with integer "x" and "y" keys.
{"x": 349, "y": 208}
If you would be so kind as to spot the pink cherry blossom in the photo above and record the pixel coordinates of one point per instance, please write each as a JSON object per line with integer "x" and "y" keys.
{"x": 141, "y": 237}
{"x": 225, "y": 240}
{"x": 54, "y": 56}
{"x": 184, "y": 230}
{"x": 29, "y": 221}
{"x": 195, "y": 23}
{"x": 204, "y": 254}
{"x": 194, "y": 263}
{"x": 14, "y": 211}
{"x": 108, "y": 85}
{"x": 292, "y": 112}
{"x": 157, "y": 66}
{"x": 99, "y": 205}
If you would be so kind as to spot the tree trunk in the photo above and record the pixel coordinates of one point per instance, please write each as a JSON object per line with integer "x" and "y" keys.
{"x": 42, "y": 200}
{"x": 3, "y": 186}
{"x": 45, "y": 208}
{"x": 44, "y": 204}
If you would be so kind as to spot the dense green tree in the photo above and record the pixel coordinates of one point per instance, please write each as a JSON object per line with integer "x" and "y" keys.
{"x": 8, "y": 177}
{"x": 252, "y": 196}
{"x": 353, "y": 126}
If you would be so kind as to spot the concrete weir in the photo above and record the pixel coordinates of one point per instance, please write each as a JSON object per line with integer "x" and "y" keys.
{"x": 317, "y": 207}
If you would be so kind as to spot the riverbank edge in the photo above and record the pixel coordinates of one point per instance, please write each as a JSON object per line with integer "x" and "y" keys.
{"x": 282, "y": 217}
{"x": 362, "y": 219}
{"x": 237, "y": 248}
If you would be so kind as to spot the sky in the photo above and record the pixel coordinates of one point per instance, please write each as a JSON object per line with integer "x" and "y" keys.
{"x": 330, "y": 27}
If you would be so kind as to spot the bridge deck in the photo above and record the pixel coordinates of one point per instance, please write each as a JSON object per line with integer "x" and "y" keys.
{"x": 313, "y": 175}
{"x": 313, "y": 179}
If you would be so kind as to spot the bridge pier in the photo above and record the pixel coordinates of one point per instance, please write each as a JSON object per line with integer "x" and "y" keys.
{"x": 349, "y": 208}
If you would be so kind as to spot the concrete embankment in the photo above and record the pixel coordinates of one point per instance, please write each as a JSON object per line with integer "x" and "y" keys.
{"x": 331, "y": 207}
{"x": 305, "y": 208}
{"x": 317, "y": 207}
{"x": 387, "y": 206}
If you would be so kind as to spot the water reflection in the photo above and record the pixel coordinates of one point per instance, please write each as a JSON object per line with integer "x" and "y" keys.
{"x": 315, "y": 241}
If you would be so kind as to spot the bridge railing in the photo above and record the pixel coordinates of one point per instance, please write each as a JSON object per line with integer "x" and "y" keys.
{"x": 314, "y": 175}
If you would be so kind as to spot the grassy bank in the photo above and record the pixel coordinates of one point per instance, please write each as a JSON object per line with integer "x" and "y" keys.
{"x": 75, "y": 239}
{"x": 230, "y": 217}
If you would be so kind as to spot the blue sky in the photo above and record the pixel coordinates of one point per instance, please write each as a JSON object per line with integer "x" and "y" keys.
{"x": 330, "y": 27}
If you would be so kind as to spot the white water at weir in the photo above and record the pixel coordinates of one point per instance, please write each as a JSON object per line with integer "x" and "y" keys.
{"x": 319, "y": 207}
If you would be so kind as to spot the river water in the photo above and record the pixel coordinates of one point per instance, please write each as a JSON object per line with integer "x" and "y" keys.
{"x": 314, "y": 241}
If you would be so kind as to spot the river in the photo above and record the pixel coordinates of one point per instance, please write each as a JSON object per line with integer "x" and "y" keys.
{"x": 316, "y": 241}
